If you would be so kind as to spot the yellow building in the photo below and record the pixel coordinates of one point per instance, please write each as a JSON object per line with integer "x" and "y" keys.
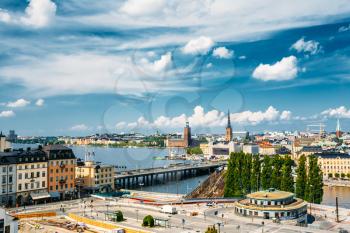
{"x": 94, "y": 177}
{"x": 334, "y": 163}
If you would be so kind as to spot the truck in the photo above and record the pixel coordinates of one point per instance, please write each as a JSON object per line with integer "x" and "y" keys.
{"x": 168, "y": 209}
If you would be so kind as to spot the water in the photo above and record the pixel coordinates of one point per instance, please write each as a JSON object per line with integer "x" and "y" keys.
{"x": 134, "y": 158}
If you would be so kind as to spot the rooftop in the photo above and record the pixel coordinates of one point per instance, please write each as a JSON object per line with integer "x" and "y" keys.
{"x": 333, "y": 155}
{"x": 270, "y": 194}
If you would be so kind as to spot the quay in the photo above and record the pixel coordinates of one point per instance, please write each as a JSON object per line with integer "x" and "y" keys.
{"x": 150, "y": 176}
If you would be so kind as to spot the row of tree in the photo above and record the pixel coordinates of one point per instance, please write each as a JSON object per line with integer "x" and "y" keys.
{"x": 248, "y": 173}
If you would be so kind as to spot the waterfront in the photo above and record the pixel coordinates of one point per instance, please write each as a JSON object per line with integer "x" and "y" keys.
{"x": 134, "y": 158}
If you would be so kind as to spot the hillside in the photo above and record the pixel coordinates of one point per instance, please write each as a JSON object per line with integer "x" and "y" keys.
{"x": 213, "y": 186}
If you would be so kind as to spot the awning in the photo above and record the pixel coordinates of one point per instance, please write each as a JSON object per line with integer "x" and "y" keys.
{"x": 55, "y": 194}
{"x": 37, "y": 196}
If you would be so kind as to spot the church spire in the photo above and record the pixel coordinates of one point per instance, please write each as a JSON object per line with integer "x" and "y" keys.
{"x": 228, "y": 119}
{"x": 338, "y": 125}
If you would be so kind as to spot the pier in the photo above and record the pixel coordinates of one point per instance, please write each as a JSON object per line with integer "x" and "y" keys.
{"x": 158, "y": 175}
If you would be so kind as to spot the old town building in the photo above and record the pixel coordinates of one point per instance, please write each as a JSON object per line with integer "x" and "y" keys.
{"x": 61, "y": 171}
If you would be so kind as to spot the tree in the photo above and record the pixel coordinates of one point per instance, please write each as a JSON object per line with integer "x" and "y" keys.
{"x": 229, "y": 188}
{"x": 211, "y": 229}
{"x": 255, "y": 174}
{"x": 148, "y": 221}
{"x": 342, "y": 175}
{"x": 276, "y": 172}
{"x": 330, "y": 175}
{"x": 314, "y": 181}
{"x": 300, "y": 185}
{"x": 266, "y": 173}
{"x": 246, "y": 168}
{"x": 194, "y": 150}
{"x": 287, "y": 182}
{"x": 348, "y": 175}
{"x": 336, "y": 175}
{"x": 119, "y": 216}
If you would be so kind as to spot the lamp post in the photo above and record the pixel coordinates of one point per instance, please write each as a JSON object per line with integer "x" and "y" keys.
{"x": 219, "y": 224}
{"x": 106, "y": 212}
{"x": 137, "y": 215}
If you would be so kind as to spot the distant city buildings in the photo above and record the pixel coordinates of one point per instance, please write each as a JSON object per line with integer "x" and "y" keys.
{"x": 4, "y": 144}
{"x": 183, "y": 142}
{"x": 12, "y": 137}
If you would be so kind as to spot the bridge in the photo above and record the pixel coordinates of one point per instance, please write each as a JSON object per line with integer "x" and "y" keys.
{"x": 150, "y": 176}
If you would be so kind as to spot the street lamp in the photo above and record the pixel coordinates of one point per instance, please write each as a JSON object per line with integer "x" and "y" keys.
{"x": 106, "y": 212}
{"x": 219, "y": 224}
{"x": 137, "y": 215}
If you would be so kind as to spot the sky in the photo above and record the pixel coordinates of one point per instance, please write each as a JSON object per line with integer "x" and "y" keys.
{"x": 78, "y": 67}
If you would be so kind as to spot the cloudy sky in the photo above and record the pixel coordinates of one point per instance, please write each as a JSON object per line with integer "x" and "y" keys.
{"x": 76, "y": 67}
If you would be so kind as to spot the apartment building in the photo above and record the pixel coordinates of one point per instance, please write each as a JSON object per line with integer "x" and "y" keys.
{"x": 61, "y": 171}
{"x": 31, "y": 177}
{"x": 94, "y": 177}
{"x": 8, "y": 180}
{"x": 334, "y": 164}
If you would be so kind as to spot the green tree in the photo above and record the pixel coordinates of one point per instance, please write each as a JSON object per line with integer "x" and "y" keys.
{"x": 301, "y": 181}
{"x": 148, "y": 221}
{"x": 266, "y": 173}
{"x": 276, "y": 164}
{"x": 229, "y": 188}
{"x": 194, "y": 150}
{"x": 246, "y": 173}
{"x": 119, "y": 216}
{"x": 211, "y": 229}
{"x": 287, "y": 182}
{"x": 315, "y": 181}
{"x": 336, "y": 175}
{"x": 255, "y": 174}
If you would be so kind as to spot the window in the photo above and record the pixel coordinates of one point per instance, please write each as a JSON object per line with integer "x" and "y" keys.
{"x": 56, "y": 170}
{"x": 10, "y": 169}
{"x": 71, "y": 169}
{"x": 19, "y": 187}
{"x": 51, "y": 171}
{"x": 32, "y": 166}
{"x": 51, "y": 179}
{"x": 20, "y": 176}
{"x": 10, "y": 179}
{"x": 32, "y": 185}
{"x": 43, "y": 174}
{"x": 3, "y": 169}
{"x": 37, "y": 185}
{"x": 4, "y": 179}
{"x": 66, "y": 186}
{"x": 26, "y": 186}
{"x": 51, "y": 188}
{"x": 32, "y": 175}
{"x": 56, "y": 187}
{"x": 26, "y": 175}
{"x": 43, "y": 184}
{"x": 26, "y": 167}
{"x": 37, "y": 174}
{"x": 4, "y": 189}
{"x": 10, "y": 189}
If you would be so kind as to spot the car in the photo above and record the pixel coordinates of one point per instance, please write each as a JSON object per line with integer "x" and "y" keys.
{"x": 210, "y": 204}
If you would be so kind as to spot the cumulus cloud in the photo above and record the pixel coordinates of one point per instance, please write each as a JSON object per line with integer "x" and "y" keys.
{"x": 222, "y": 52}
{"x": 159, "y": 65}
{"x": 200, "y": 45}
{"x": 18, "y": 103}
{"x": 39, "y": 13}
{"x": 142, "y": 7}
{"x": 40, "y": 102}
{"x": 340, "y": 112}
{"x": 79, "y": 127}
{"x": 283, "y": 70}
{"x": 311, "y": 46}
{"x": 7, "y": 113}
{"x": 242, "y": 57}
{"x": 344, "y": 28}
{"x": 286, "y": 115}
{"x": 212, "y": 118}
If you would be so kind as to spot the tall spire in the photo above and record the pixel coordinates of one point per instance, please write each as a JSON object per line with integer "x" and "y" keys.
{"x": 228, "y": 119}
{"x": 338, "y": 125}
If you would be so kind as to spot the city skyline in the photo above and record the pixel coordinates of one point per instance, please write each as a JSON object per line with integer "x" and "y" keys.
{"x": 74, "y": 68}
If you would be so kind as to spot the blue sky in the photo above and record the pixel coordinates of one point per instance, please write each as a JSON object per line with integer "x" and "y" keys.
{"x": 77, "y": 67}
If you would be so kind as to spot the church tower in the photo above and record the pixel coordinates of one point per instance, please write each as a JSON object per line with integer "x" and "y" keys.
{"x": 228, "y": 136}
{"x": 338, "y": 131}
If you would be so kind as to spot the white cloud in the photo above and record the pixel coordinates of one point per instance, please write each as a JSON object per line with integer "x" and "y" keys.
{"x": 18, "y": 103}
{"x": 311, "y": 46}
{"x": 242, "y": 57}
{"x": 212, "y": 118}
{"x": 142, "y": 7}
{"x": 200, "y": 45}
{"x": 340, "y": 112}
{"x": 8, "y": 113}
{"x": 159, "y": 65}
{"x": 209, "y": 65}
{"x": 40, "y": 102}
{"x": 222, "y": 52}
{"x": 79, "y": 127}
{"x": 286, "y": 69}
{"x": 286, "y": 115}
{"x": 38, "y": 14}
{"x": 344, "y": 28}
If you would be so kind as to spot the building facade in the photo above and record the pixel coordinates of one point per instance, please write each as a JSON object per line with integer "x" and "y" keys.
{"x": 94, "y": 177}
{"x": 4, "y": 145}
{"x": 334, "y": 164}
{"x": 8, "y": 180}
{"x": 271, "y": 204}
{"x": 31, "y": 176}
{"x": 61, "y": 171}
{"x": 180, "y": 142}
